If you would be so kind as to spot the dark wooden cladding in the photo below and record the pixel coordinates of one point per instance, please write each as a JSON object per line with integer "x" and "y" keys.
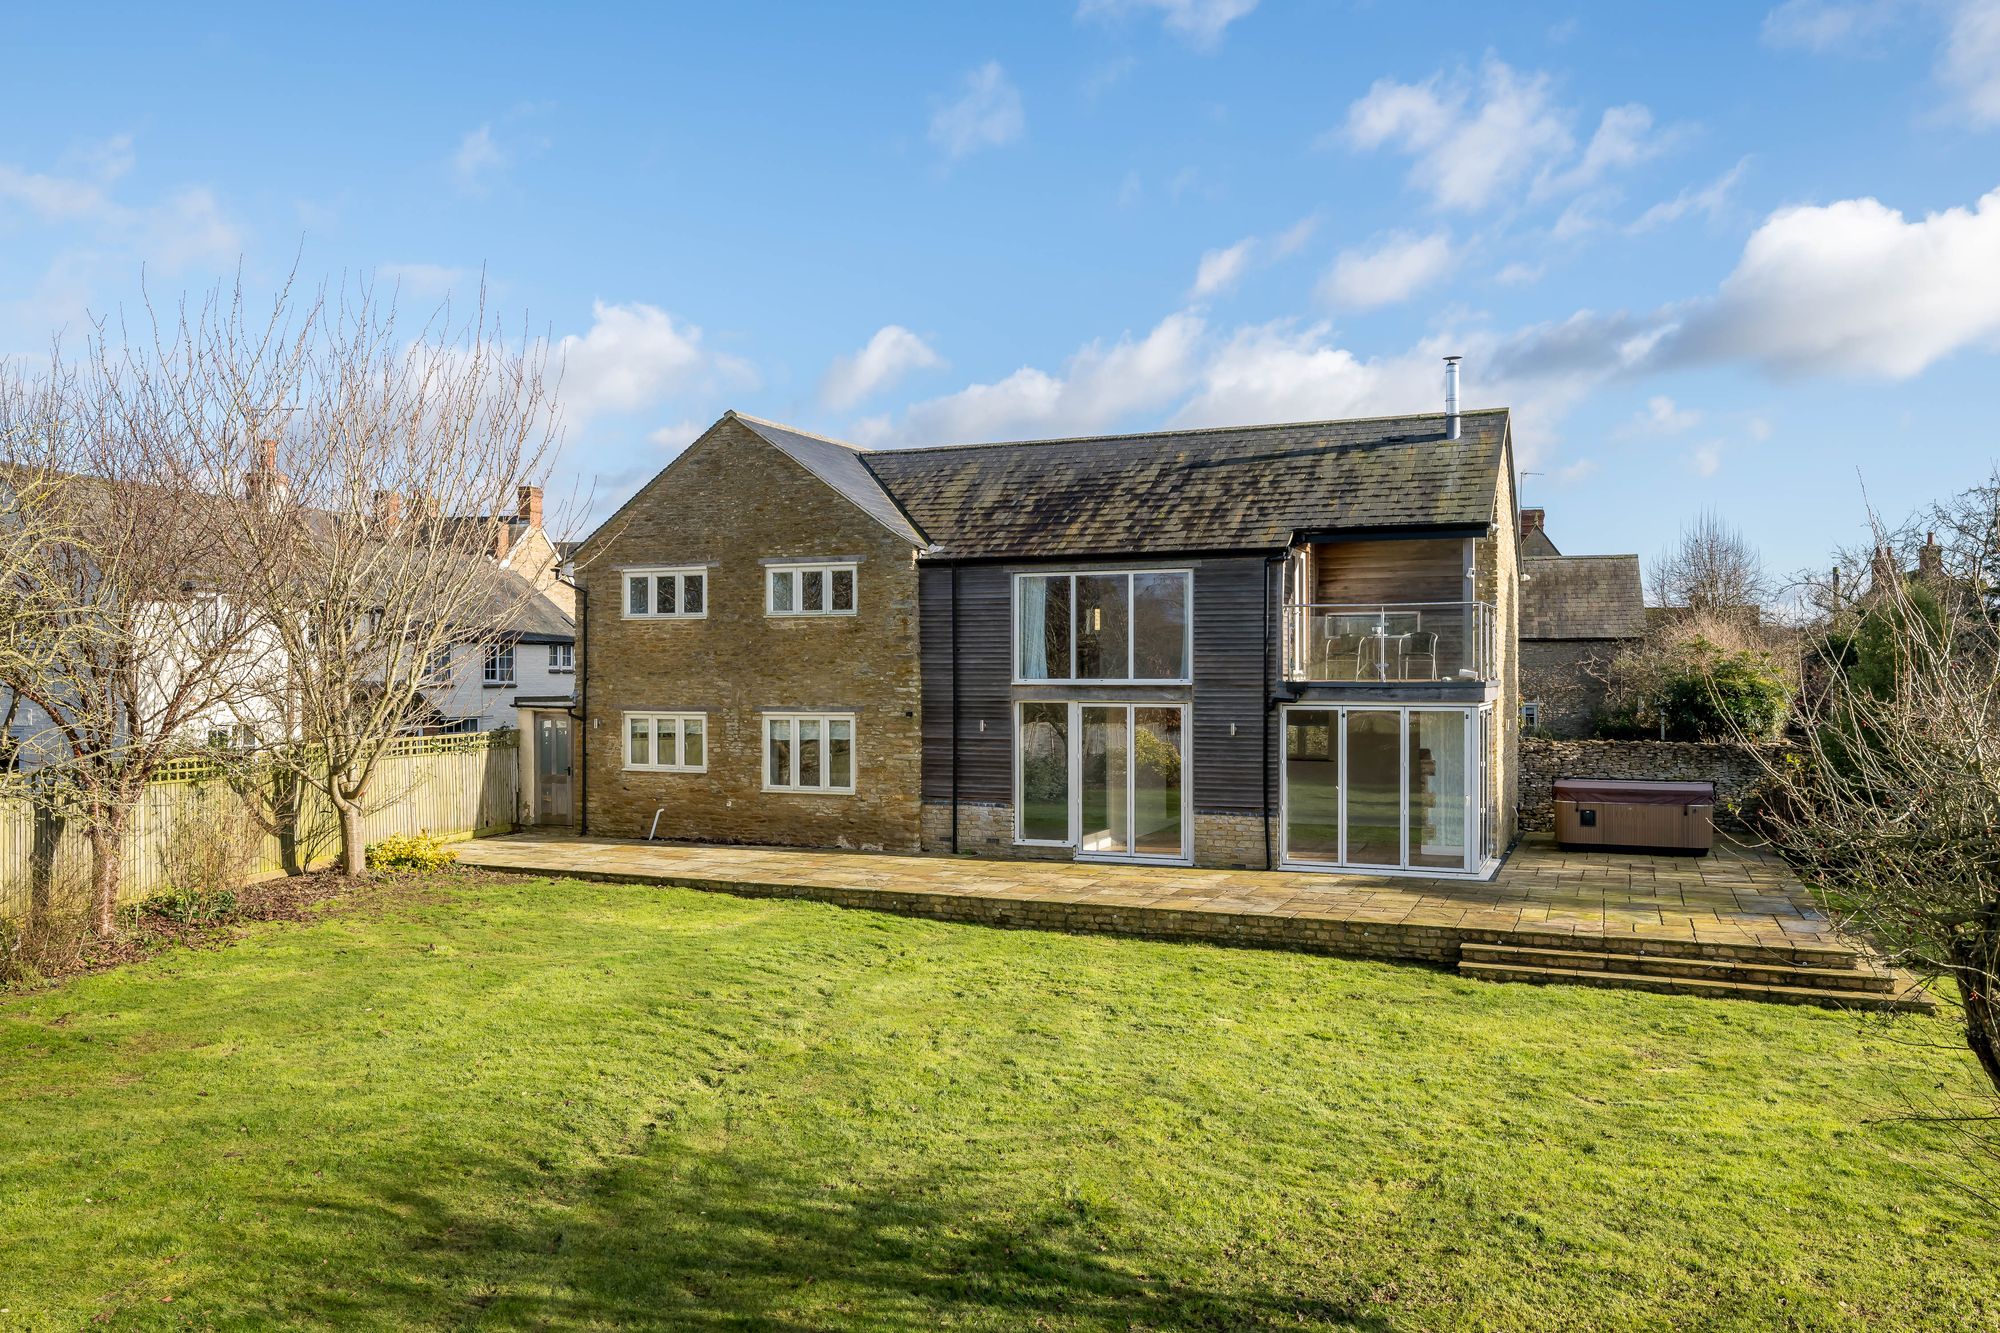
{"x": 1229, "y": 687}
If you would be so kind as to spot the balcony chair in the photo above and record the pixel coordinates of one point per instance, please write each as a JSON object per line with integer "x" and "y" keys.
{"x": 1419, "y": 649}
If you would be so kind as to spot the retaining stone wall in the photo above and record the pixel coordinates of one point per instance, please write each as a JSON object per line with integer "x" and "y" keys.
{"x": 1735, "y": 770}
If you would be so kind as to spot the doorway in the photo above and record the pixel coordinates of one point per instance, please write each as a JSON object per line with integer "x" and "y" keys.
{"x": 1397, "y": 789}
{"x": 1109, "y": 780}
{"x": 553, "y": 768}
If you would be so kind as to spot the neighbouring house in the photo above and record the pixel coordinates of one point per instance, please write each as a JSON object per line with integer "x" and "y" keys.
{"x": 1285, "y": 645}
{"x": 1577, "y": 613}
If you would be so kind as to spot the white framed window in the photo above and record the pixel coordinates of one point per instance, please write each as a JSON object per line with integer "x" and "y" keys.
{"x": 1531, "y": 713}
{"x": 809, "y": 590}
{"x": 499, "y": 664}
{"x": 809, "y": 752}
{"x": 666, "y": 594}
{"x": 1131, "y": 626}
{"x": 667, "y": 742}
{"x": 562, "y": 657}
{"x": 437, "y": 668}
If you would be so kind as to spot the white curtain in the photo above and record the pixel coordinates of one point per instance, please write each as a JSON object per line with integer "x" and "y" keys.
{"x": 1034, "y": 629}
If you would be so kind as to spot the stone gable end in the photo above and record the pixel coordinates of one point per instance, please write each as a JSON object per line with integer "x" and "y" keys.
{"x": 728, "y": 505}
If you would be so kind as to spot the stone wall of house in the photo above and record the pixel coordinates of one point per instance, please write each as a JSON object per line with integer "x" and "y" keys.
{"x": 1221, "y": 842}
{"x": 1736, "y": 770}
{"x": 1497, "y": 582}
{"x": 729, "y": 503}
{"x": 1557, "y": 674}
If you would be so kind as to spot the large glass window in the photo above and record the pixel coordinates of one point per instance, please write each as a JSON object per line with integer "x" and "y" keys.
{"x": 1114, "y": 626}
{"x": 812, "y": 752}
{"x": 1043, "y": 742}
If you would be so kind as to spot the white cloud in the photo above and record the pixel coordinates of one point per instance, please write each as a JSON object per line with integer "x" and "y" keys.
{"x": 1624, "y": 138}
{"x": 1293, "y": 238}
{"x": 892, "y": 353}
{"x": 1824, "y": 25}
{"x": 477, "y": 160}
{"x": 1854, "y": 287}
{"x": 1099, "y": 386}
{"x": 1520, "y": 274}
{"x": 423, "y": 280}
{"x": 1706, "y": 458}
{"x": 1199, "y": 23}
{"x": 1108, "y": 76}
{"x": 1571, "y": 473}
{"x": 1662, "y": 416}
{"x": 677, "y": 435}
{"x": 1130, "y": 190}
{"x": 987, "y": 114}
{"x": 1393, "y": 271}
{"x": 632, "y": 358}
{"x": 1969, "y": 64}
{"x": 1467, "y": 148}
{"x": 1707, "y": 200}
{"x": 1219, "y": 270}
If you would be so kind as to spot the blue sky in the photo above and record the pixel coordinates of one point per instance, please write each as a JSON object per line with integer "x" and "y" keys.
{"x": 1730, "y": 255}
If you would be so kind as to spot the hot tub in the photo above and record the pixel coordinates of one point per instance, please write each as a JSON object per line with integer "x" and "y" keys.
{"x": 1620, "y": 812}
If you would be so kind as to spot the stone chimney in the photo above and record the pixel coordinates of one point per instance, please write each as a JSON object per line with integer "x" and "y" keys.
{"x": 503, "y": 539}
{"x": 1930, "y": 559}
{"x": 1531, "y": 522}
{"x": 388, "y": 508}
{"x": 529, "y": 505}
{"x": 1882, "y": 569}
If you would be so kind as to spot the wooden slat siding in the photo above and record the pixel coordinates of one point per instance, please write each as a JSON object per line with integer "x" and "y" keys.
{"x": 934, "y": 653}
{"x": 1229, "y": 663}
{"x": 1416, "y": 570}
{"x": 985, "y": 675}
{"x": 452, "y": 787}
{"x": 1229, "y": 684}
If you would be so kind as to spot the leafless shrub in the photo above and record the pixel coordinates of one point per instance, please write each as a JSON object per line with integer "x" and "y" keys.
{"x": 214, "y": 849}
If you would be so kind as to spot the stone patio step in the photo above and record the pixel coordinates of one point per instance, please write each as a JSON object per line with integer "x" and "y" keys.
{"x": 1800, "y": 953}
{"x": 1853, "y": 975}
{"x": 1905, "y": 999}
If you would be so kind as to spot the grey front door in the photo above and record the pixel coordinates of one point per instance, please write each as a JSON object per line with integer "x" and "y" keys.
{"x": 552, "y": 768}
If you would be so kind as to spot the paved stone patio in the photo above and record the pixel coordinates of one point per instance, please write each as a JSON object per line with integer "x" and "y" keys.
{"x": 1737, "y": 902}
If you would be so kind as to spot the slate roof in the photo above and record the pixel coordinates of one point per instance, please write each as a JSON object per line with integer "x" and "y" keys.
{"x": 840, "y": 466}
{"x": 1232, "y": 488}
{"x": 1582, "y": 597}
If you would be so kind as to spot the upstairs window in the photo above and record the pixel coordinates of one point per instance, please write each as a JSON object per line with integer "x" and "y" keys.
{"x": 500, "y": 664}
{"x": 666, "y": 594}
{"x": 1130, "y": 626}
{"x": 809, "y": 590}
{"x": 562, "y": 657}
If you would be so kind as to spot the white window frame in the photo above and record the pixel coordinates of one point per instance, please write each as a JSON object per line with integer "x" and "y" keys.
{"x": 670, "y": 724}
{"x": 562, "y": 656}
{"x": 490, "y": 672}
{"x": 825, "y": 743}
{"x": 1072, "y": 837}
{"x": 652, "y": 573}
{"x": 1131, "y": 636}
{"x": 798, "y": 570}
{"x": 1531, "y": 712}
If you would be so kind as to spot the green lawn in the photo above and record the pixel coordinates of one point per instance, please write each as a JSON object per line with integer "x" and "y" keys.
{"x": 569, "y": 1105}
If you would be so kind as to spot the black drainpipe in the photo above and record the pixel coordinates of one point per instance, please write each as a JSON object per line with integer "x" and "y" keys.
{"x": 581, "y": 713}
{"x": 954, "y": 710}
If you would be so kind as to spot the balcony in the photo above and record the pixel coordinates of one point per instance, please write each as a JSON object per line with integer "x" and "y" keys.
{"x": 1388, "y": 642}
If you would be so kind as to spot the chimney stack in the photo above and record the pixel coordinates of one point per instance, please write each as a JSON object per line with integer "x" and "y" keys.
{"x": 1882, "y": 569}
{"x": 1451, "y": 427}
{"x": 263, "y": 483}
{"x": 530, "y": 504}
{"x": 1930, "y": 558}
{"x": 388, "y": 508}
{"x": 1531, "y": 522}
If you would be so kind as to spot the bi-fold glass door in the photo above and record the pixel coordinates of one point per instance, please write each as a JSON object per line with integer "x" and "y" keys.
{"x": 1384, "y": 788}
{"x": 1107, "y": 779}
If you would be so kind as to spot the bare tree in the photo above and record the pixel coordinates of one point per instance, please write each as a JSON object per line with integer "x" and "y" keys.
{"x": 126, "y": 638}
{"x": 365, "y": 529}
{"x": 1892, "y": 805}
{"x": 1711, "y": 568}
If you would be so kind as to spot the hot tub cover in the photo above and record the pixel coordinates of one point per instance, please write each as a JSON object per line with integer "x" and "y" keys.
{"x": 1629, "y": 791}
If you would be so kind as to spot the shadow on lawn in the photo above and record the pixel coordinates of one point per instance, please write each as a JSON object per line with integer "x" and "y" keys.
{"x": 675, "y": 1238}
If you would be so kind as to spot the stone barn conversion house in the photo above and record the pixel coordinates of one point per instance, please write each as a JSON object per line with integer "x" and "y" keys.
{"x": 1577, "y": 613}
{"x": 1259, "y": 646}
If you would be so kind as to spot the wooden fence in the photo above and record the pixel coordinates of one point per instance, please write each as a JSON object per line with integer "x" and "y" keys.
{"x": 451, "y": 786}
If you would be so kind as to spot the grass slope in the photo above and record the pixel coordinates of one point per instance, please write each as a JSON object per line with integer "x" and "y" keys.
{"x": 569, "y": 1105}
